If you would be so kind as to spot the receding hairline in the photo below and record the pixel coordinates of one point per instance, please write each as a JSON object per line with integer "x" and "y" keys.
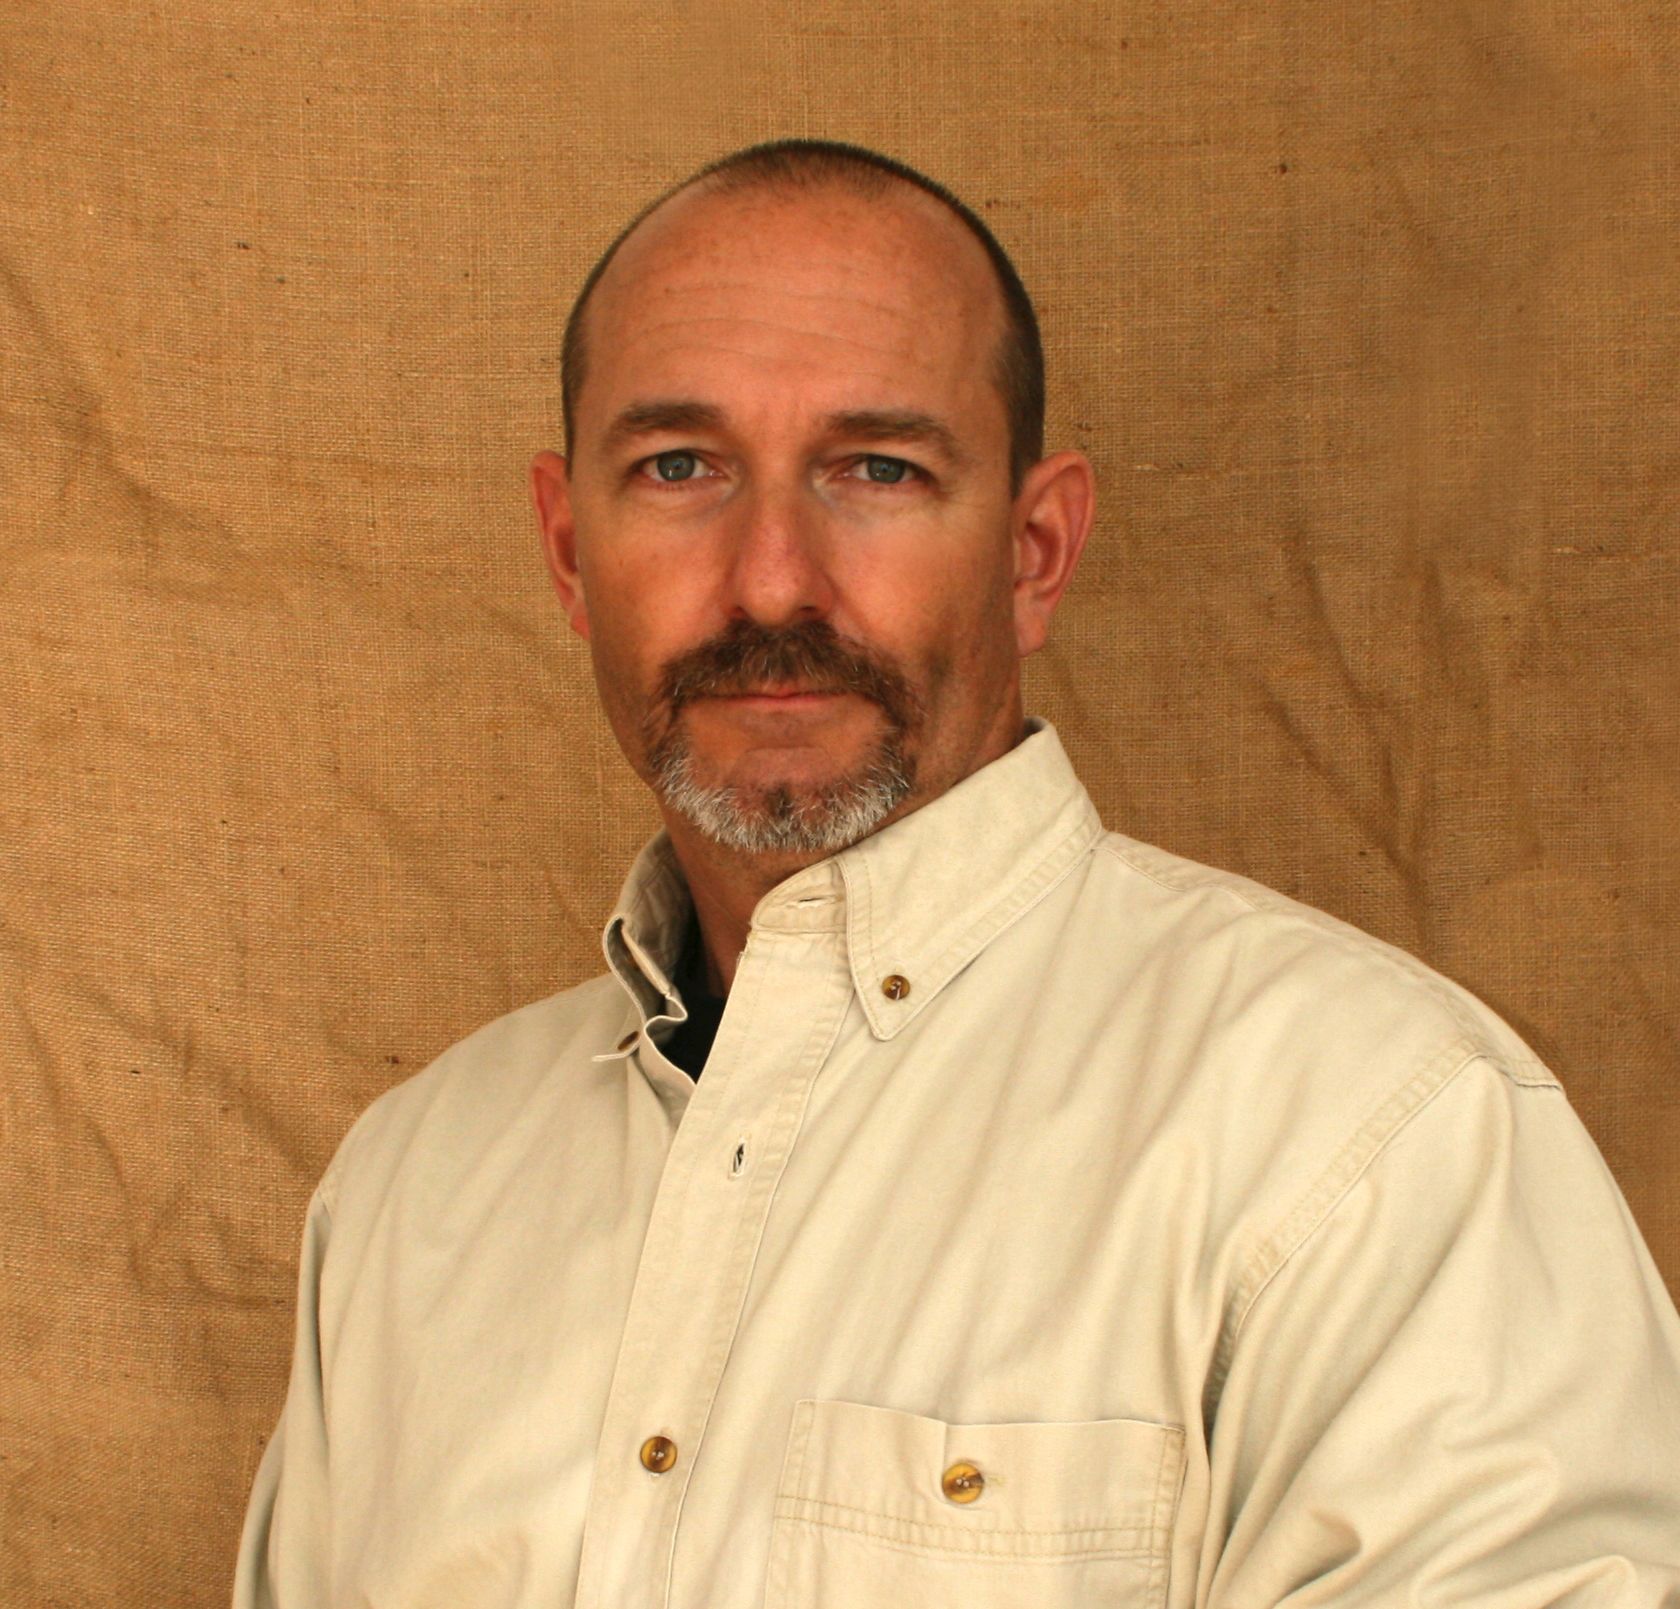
{"x": 795, "y": 167}
{"x": 864, "y": 182}
{"x": 772, "y": 192}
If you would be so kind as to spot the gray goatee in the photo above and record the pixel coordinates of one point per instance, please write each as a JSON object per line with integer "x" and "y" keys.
{"x": 812, "y": 655}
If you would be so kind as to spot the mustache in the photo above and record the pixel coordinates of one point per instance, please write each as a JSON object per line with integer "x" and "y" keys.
{"x": 747, "y": 657}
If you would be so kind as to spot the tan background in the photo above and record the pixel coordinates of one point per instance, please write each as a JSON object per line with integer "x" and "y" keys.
{"x": 1367, "y": 314}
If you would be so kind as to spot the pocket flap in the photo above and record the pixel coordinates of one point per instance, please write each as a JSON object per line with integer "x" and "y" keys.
{"x": 1100, "y": 1483}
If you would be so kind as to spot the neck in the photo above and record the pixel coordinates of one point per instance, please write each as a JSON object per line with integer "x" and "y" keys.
{"x": 726, "y": 887}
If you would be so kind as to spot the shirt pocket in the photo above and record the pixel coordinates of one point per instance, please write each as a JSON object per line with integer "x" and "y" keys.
{"x": 870, "y": 1513}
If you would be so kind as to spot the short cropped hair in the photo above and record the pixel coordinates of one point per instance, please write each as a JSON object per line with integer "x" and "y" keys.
{"x": 809, "y": 164}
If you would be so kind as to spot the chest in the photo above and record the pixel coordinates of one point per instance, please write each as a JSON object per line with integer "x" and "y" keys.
{"x": 850, "y": 1266}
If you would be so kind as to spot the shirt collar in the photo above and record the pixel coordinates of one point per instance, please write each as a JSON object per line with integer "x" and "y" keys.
{"x": 922, "y": 897}
{"x": 643, "y": 936}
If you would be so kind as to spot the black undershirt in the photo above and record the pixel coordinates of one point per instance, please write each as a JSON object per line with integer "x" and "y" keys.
{"x": 691, "y": 1042}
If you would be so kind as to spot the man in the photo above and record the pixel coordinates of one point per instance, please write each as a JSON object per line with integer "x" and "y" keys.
{"x": 940, "y": 1201}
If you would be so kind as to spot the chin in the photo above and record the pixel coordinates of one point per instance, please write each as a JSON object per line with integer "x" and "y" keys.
{"x": 788, "y": 814}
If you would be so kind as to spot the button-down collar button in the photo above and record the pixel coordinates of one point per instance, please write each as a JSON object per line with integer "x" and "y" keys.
{"x": 659, "y": 1453}
{"x": 629, "y": 1039}
{"x": 962, "y": 1483}
{"x": 895, "y": 986}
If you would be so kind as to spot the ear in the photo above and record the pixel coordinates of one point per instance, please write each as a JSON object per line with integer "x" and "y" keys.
{"x": 1052, "y": 518}
{"x": 551, "y": 493}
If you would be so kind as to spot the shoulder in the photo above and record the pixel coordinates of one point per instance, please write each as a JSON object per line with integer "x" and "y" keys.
{"x": 1296, "y": 981}
{"x": 482, "y": 1084}
{"x": 1293, "y": 1048}
{"x": 1304, "y": 1056}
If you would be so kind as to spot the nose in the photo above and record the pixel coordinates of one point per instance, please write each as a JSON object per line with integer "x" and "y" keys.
{"x": 777, "y": 571}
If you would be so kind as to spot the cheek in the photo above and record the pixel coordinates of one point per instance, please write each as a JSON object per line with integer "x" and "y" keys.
{"x": 625, "y": 620}
{"x": 969, "y": 619}
{"x": 619, "y": 651}
{"x": 958, "y": 652}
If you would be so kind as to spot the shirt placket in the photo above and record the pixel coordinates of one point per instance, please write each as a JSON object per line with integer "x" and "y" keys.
{"x": 790, "y": 992}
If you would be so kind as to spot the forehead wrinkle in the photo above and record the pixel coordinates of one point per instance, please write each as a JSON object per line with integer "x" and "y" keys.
{"x": 888, "y": 344}
{"x": 858, "y": 297}
{"x": 755, "y": 287}
{"x": 754, "y": 292}
{"x": 645, "y": 331}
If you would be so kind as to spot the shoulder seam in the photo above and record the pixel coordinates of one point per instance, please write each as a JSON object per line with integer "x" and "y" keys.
{"x": 1115, "y": 843}
{"x": 1451, "y": 998}
{"x": 1358, "y": 1154}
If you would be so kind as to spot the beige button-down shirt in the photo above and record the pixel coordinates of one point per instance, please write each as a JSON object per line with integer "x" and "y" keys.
{"x": 1057, "y": 1223}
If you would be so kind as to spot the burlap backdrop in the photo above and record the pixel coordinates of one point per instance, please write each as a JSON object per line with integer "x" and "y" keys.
{"x": 1367, "y": 315}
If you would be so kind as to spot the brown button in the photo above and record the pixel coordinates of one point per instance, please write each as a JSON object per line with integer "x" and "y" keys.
{"x": 659, "y": 1453}
{"x": 962, "y": 1483}
{"x": 629, "y": 1039}
{"x": 895, "y": 986}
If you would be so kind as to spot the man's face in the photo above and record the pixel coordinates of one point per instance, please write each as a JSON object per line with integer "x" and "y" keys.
{"x": 789, "y": 514}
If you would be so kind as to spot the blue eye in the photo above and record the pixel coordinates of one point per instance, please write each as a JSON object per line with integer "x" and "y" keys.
{"x": 886, "y": 471}
{"x": 675, "y": 466}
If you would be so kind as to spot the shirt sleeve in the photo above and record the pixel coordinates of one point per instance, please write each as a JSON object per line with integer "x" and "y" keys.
{"x": 283, "y": 1558}
{"x": 1461, "y": 1388}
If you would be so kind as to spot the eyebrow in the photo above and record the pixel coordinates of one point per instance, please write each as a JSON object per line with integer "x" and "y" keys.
{"x": 857, "y": 424}
{"x": 645, "y": 418}
{"x": 893, "y": 424}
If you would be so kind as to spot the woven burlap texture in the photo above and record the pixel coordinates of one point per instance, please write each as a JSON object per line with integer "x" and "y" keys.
{"x": 1366, "y": 315}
